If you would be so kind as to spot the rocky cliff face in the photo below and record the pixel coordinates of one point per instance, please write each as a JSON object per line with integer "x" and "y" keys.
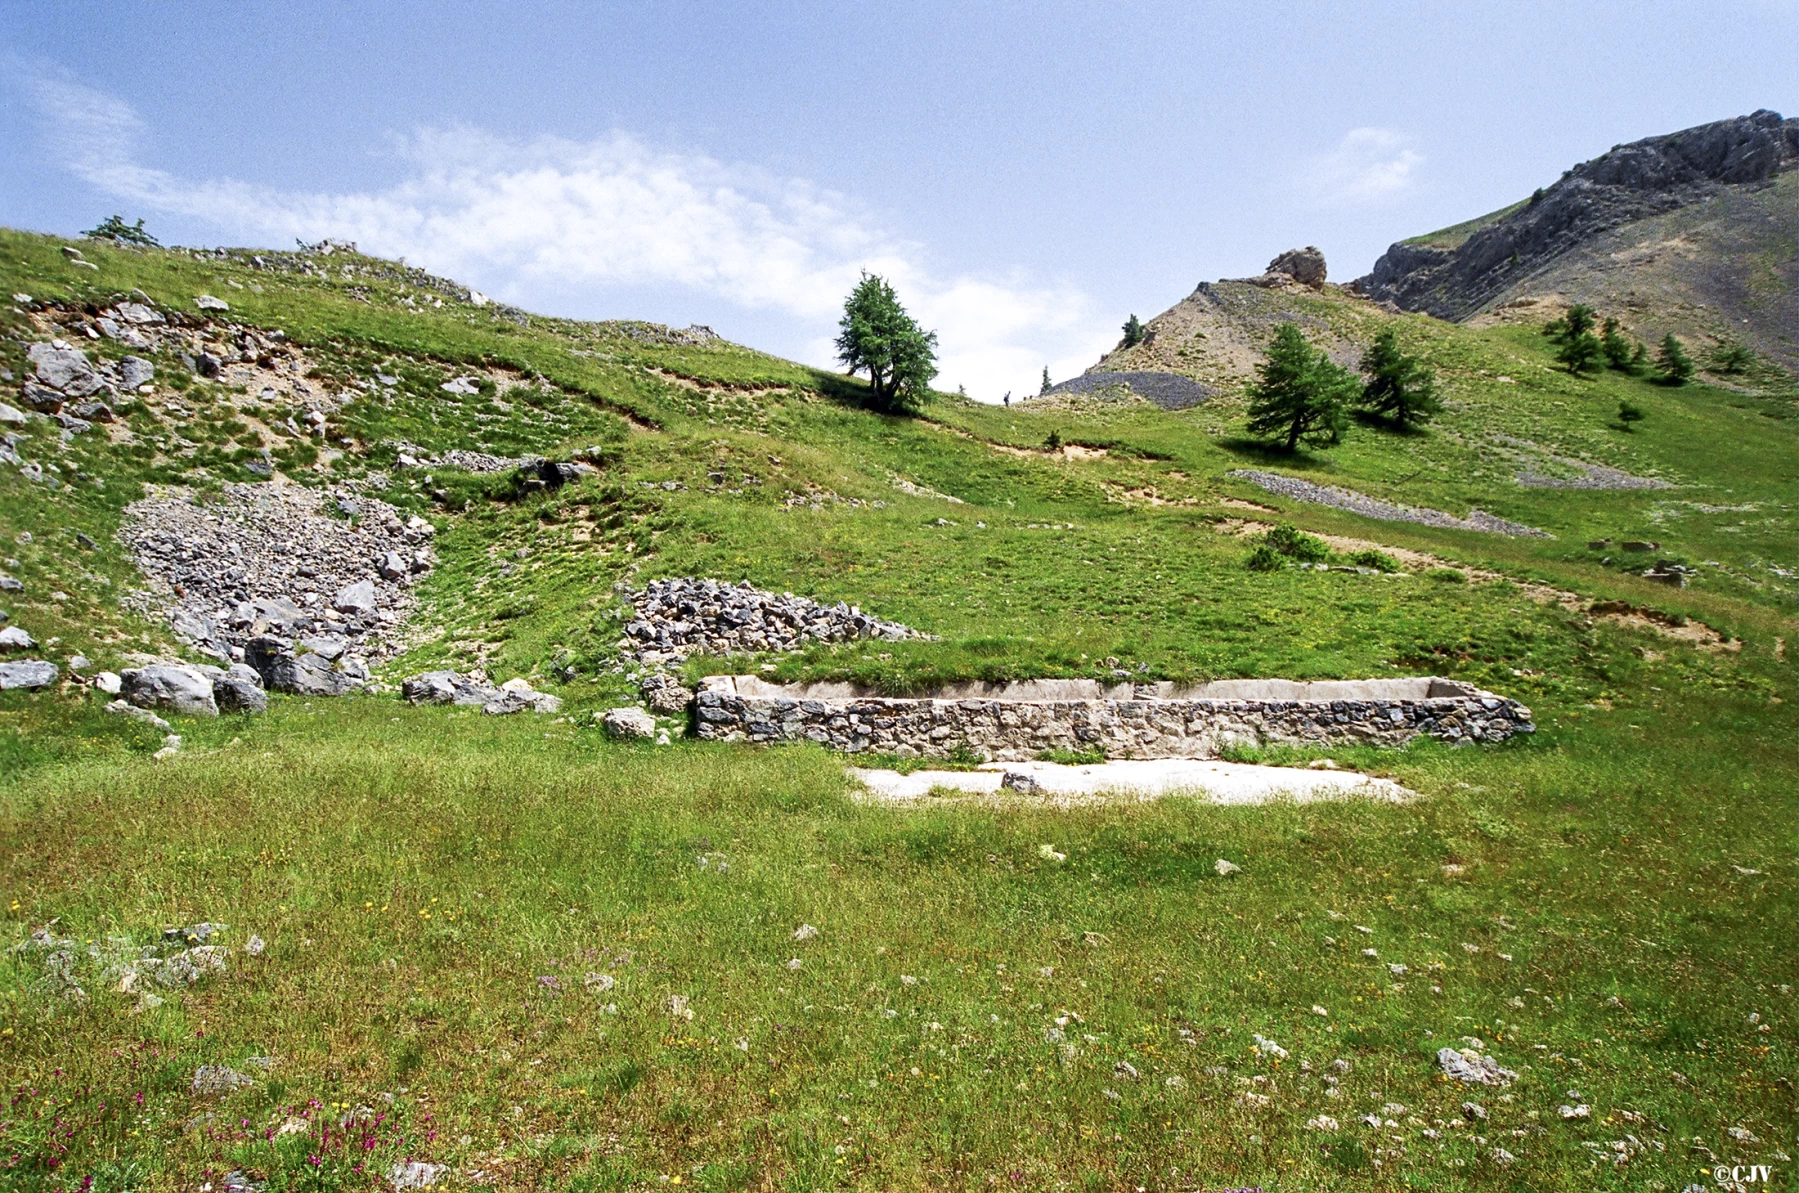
{"x": 1631, "y": 183}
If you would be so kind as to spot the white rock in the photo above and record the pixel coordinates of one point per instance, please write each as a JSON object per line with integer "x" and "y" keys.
{"x": 15, "y": 638}
{"x": 414, "y": 1174}
{"x": 629, "y": 723}
{"x": 805, "y": 932}
{"x": 358, "y": 598}
{"x": 207, "y": 302}
{"x": 1225, "y": 869}
{"x": 1471, "y": 1066}
{"x": 108, "y": 682}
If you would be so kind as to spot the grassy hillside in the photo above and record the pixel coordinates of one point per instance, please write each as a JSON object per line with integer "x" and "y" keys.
{"x": 1605, "y": 906}
{"x": 1456, "y": 235}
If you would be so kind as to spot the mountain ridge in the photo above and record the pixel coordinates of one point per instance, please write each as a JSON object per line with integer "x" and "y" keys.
{"x": 1629, "y": 200}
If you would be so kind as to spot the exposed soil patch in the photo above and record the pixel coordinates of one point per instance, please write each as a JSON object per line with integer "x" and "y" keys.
{"x": 1068, "y": 451}
{"x": 1639, "y": 617}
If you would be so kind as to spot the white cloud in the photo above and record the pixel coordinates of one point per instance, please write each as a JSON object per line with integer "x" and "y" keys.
{"x": 1367, "y": 166}
{"x": 519, "y": 218}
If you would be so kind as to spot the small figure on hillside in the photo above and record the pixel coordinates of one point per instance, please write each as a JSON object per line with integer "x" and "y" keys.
{"x": 1008, "y": 398}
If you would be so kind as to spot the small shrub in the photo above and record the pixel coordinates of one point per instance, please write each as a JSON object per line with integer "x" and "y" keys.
{"x": 1265, "y": 559}
{"x": 1054, "y": 442}
{"x": 1731, "y": 357}
{"x": 115, "y": 228}
{"x": 1629, "y": 413}
{"x": 1073, "y": 757}
{"x": 1295, "y": 543}
{"x": 1447, "y": 575}
{"x": 1380, "y": 561}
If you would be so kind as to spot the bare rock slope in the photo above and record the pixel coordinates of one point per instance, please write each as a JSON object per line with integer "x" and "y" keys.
{"x": 1693, "y": 232}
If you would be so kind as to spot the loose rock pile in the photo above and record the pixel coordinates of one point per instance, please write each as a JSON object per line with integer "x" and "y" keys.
{"x": 75, "y": 391}
{"x": 1386, "y": 511}
{"x": 118, "y": 964}
{"x": 449, "y": 687}
{"x": 1170, "y": 391}
{"x": 264, "y": 575}
{"x": 685, "y": 615}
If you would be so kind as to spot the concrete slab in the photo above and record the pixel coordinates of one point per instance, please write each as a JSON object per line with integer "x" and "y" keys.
{"x": 1135, "y": 780}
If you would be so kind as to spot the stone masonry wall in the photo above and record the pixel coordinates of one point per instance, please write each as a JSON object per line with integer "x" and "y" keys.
{"x": 1125, "y": 721}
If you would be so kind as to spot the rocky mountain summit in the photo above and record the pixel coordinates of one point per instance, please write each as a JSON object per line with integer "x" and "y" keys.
{"x": 1714, "y": 170}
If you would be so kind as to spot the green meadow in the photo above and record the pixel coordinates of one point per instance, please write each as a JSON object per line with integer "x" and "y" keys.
{"x": 538, "y": 958}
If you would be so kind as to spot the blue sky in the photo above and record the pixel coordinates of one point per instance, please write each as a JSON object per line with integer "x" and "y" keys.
{"x": 1027, "y": 175}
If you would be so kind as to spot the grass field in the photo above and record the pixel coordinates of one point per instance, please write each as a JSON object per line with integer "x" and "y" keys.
{"x": 541, "y": 959}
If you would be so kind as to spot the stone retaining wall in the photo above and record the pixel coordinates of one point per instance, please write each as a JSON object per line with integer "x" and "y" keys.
{"x": 1016, "y": 722}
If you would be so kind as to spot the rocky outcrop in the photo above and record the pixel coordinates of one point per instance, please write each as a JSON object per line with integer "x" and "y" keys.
{"x": 1016, "y": 722}
{"x": 289, "y": 666}
{"x": 1305, "y": 266}
{"x": 1629, "y": 183}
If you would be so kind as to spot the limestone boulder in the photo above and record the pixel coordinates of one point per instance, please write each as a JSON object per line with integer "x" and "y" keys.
{"x": 172, "y": 687}
{"x": 27, "y": 673}
{"x": 629, "y": 724}
{"x": 1305, "y": 266}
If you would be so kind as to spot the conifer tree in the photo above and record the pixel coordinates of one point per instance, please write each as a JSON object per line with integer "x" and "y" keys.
{"x": 1399, "y": 386}
{"x": 1300, "y": 394}
{"x": 878, "y": 335}
{"x": 1045, "y": 388}
{"x": 1133, "y": 332}
{"x": 1615, "y": 345}
{"x": 1675, "y": 364}
{"x": 1580, "y": 349}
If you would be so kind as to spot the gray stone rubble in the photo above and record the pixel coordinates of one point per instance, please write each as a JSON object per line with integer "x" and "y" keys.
{"x": 685, "y": 615}
{"x": 1016, "y": 722}
{"x": 265, "y": 574}
{"x": 450, "y": 687}
{"x": 1386, "y": 511}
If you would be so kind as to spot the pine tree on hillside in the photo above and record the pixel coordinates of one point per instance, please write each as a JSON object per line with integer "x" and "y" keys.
{"x": 1300, "y": 394}
{"x": 1399, "y": 386}
{"x": 878, "y": 335}
{"x": 1731, "y": 357}
{"x": 1675, "y": 364}
{"x": 1133, "y": 332}
{"x": 1616, "y": 345}
{"x": 1045, "y": 388}
{"x": 1580, "y": 349}
{"x": 115, "y": 228}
